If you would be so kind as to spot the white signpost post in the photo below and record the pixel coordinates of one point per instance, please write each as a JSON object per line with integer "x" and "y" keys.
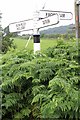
{"x": 41, "y": 19}
{"x": 41, "y": 23}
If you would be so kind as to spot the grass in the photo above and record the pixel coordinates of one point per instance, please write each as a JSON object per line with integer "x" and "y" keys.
{"x": 44, "y": 43}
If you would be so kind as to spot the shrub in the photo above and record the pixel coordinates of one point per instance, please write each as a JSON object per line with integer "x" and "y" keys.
{"x": 41, "y": 86}
{"x": 7, "y": 43}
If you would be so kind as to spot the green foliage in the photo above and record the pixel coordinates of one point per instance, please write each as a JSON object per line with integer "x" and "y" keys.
{"x": 7, "y": 43}
{"x": 24, "y": 112}
{"x": 41, "y": 85}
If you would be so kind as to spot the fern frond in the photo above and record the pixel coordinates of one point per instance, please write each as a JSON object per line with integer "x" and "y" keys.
{"x": 37, "y": 89}
{"x": 11, "y": 99}
{"x": 38, "y": 98}
{"x": 22, "y": 114}
{"x": 60, "y": 82}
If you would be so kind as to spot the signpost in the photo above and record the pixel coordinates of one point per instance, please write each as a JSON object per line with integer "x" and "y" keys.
{"x": 41, "y": 19}
{"x": 40, "y": 23}
{"x": 34, "y": 24}
{"x": 62, "y": 15}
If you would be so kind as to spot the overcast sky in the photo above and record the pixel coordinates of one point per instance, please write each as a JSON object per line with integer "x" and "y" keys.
{"x": 17, "y": 10}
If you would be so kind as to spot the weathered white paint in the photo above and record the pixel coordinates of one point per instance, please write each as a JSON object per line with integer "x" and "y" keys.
{"x": 21, "y": 26}
{"x": 48, "y": 21}
{"x": 62, "y": 15}
{"x": 36, "y": 47}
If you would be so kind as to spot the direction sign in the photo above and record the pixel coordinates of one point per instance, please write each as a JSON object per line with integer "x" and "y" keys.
{"x": 48, "y": 21}
{"x": 21, "y": 26}
{"x": 62, "y": 15}
{"x": 27, "y": 25}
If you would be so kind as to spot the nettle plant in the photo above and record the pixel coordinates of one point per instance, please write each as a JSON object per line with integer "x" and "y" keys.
{"x": 41, "y": 85}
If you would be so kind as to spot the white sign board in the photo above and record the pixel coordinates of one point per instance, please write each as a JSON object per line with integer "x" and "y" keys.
{"x": 48, "y": 21}
{"x": 21, "y": 26}
{"x": 62, "y": 15}
{"x": 29, "y": 24}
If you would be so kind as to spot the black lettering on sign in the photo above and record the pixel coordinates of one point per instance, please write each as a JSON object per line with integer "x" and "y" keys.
{"x": 49, "y": 14}
{"x": 62, "y": 15}
{"x": 46, "y": 21}
{"x": 20, "y": 26}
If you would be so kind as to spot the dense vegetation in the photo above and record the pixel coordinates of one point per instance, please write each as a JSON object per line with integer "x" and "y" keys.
{"x": 41, "y": 85}
{"x": 6, "y": 43}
